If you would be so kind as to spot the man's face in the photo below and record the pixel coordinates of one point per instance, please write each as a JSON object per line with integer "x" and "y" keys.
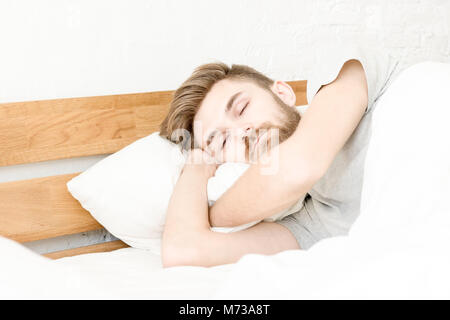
{"x": 238, "y": 118}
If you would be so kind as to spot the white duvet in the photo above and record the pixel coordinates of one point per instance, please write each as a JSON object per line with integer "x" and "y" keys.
{"x": 398, "y": 247}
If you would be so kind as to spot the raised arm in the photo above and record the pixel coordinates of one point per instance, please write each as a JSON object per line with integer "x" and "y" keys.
{"x": 303, "y": 158}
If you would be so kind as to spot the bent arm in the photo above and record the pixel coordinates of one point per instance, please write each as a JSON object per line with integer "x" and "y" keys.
{"x": 303, "y": 158}
{"x": 187, "y": 212}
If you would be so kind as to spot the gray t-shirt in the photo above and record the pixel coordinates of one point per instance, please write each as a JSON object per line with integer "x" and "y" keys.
{"x": 333, "y": 203}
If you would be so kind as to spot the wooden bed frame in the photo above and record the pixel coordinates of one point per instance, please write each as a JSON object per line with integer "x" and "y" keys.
{"x": 42, "y": 208}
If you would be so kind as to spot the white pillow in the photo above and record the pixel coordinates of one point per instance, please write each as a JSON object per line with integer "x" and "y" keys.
{"x": 128, "y": 192}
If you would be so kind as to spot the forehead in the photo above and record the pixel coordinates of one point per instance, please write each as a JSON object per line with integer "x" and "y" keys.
{"x": 220, "y": 92}
{"x": 211, "y": 114}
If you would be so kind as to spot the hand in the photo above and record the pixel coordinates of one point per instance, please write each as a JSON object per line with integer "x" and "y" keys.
{"x": 201, "y": 162}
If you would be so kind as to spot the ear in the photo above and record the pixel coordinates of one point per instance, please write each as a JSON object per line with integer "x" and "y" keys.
{"x": 285, "y": 92}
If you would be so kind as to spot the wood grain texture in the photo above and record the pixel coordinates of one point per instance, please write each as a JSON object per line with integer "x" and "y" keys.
{"x": 66, "y": 128}
{"x": 100, "y": 247}
{"x": 41, "y": 208}
{"x": 299, "y": 88}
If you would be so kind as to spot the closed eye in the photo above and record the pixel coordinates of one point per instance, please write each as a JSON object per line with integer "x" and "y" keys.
{"x": 224, "y": 142}
{"x": 242, "y": 111}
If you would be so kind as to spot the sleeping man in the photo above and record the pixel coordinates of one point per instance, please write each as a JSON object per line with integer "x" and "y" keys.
{"x": 319, "y": 156}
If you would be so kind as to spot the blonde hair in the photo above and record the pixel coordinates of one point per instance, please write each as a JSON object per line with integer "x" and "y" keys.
{"x": 188, "y": 97}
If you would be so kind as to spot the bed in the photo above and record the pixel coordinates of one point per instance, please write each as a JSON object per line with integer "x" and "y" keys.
{"x": 382, "y": 257}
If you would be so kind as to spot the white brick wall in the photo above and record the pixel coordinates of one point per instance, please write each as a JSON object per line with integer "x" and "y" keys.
{"x": 63, "y": 48}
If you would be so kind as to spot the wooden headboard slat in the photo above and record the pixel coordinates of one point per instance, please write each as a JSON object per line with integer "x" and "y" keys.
{"x": 41, "y": 208}
{"x": 99, "y": 247}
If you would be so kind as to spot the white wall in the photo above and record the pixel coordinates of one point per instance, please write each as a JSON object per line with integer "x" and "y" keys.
{"x": 63, "y": 48}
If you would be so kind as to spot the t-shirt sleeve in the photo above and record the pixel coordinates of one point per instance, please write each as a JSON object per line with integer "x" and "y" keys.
{"x": 329, "y": 59}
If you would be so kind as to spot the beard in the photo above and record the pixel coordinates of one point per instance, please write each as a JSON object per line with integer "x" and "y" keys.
{"x": 270, "y": 134}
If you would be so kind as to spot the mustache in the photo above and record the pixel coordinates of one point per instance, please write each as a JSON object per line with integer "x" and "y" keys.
{"x": 266, "y": 127}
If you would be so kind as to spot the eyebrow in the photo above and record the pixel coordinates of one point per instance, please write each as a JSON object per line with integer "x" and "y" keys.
{"x": 227, "y": 109}
{"x": 231, "y": 101}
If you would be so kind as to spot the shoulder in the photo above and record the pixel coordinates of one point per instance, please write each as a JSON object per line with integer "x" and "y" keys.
{"x": 366, "y": 67}
{"x": 336, "y": 62}
{"x": 351, "y": 81}
{"x": 353, "y": 78}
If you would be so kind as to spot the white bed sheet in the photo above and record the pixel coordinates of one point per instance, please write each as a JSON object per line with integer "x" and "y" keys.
{"x": 398, "y": 247}
{"x": 138, "y": 274}
{"x": 121, "y": 274}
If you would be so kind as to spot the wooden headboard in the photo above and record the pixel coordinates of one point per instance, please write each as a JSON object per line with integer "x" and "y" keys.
{"x": 34, "y": 131}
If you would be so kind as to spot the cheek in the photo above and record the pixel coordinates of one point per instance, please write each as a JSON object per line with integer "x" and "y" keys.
{"x": 256, "y": 114}
{"x": 262, "y": 113}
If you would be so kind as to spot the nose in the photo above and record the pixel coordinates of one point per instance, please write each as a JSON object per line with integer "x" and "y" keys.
{"x": 242, "y": 133}
{"x": 247, "y": 128}
{"x": 247, "y": 135}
